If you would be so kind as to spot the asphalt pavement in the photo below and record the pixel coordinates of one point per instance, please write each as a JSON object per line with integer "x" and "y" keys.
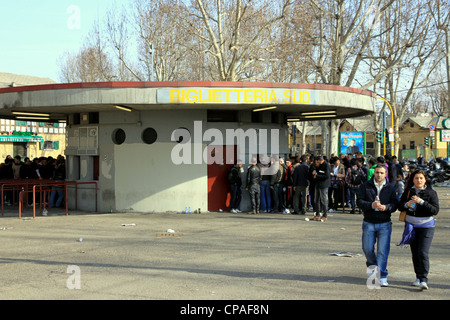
{"x": 207, "y": 256}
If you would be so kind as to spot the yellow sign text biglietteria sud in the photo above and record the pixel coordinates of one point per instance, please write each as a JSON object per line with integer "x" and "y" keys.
{"x": 236, "y": 95}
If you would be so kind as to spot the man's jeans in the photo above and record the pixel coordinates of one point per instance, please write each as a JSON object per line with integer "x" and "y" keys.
{"x": 321, "y": 201}
{"x": 235, "y": 196}
{"x": 353, "y": 191}
{"x": 300, "y": 191}
{"x": 265, "y": 196}
{"x": 379, "y": 233}
{"x": 56, "y": 190}
{"x": 278, "y": 197}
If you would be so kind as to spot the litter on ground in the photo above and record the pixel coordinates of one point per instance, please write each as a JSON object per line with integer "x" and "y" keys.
{"x": 345, "y": 254}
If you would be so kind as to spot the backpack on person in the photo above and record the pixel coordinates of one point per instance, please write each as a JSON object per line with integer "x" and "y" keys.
{"x": 356, "y": 176}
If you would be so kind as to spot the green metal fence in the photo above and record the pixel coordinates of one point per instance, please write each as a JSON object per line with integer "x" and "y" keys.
{"x": 427, "y": 153}
{"x": 407, "y": 154}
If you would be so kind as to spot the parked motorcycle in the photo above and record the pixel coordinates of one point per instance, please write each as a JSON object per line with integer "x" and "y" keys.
{"x": 436, "y": 170}
{"x": 439, "y": 171}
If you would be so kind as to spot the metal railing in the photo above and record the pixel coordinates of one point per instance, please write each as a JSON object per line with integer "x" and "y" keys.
{"x": 21, "y": 188}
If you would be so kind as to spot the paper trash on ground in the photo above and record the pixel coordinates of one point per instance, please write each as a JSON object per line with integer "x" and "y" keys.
{"x": 345, "y": 254}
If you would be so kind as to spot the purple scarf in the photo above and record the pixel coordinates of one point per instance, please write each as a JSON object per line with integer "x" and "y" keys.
{"x": 408, "y": 232}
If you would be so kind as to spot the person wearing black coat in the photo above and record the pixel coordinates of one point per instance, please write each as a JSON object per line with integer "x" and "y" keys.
{"x": 6, "y": 172}
{"x": 28, "y": 170}
{"x": 421, "y": 204}
{"x": 392, "y": 170}
{"x": 322, "y": 177}
{"x": 377, "y": 199}
{"x": 398, "y": 166}
{"x": 430, "y": 206}
{"x": 253, "y": 185}
{"x": 46, "y": 168}
{"x": 235, "y": 180}
{"x": 312, "y": 181}
{"x": 301, "y": 185}
{"x": 57, "y": 193}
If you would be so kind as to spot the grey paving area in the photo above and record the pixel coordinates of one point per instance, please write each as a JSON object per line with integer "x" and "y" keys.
{"x": 214, "y": 256}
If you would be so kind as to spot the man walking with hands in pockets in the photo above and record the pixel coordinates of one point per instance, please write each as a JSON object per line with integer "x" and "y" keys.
{"x": 377, "y": 199}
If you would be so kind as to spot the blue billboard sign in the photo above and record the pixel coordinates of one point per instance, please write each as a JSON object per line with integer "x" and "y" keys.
{"x": 352, "y": 142}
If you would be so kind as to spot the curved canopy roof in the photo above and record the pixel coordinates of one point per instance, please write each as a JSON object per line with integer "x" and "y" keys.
{"x": 298, "y": 101}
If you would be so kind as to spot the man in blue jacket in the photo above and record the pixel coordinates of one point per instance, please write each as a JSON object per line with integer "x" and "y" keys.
{"x": 377, "y": 199}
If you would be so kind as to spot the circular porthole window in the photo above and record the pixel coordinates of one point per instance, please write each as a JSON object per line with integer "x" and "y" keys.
{"x": 149, "y": 136}
{"x": 118, "y": 136}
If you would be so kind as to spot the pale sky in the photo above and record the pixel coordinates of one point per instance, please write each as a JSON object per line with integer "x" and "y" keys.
{"x": 35, "y": 33}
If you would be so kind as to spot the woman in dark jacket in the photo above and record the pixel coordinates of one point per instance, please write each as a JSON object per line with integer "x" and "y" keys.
{"x": 421, "y": 204}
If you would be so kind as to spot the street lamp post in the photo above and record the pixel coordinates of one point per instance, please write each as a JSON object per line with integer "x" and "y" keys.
{"x": 392, "y": 120}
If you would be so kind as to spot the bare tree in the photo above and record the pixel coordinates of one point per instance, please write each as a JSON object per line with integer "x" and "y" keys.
{"x": 230, "y": 40}
{"x": 163, "y": 48}
{"x": 342, "y": 35}
{"x": 235, "y": 34}
{"x": 441, "y": 16}
{"x": 90, "y": 64}
{"x": 366, "y": 42}
{"x": 291, "y": 46}
{"x": 119, "y": 35}
{"x": 435, "y": 95}
{"x": 414, "y": 42}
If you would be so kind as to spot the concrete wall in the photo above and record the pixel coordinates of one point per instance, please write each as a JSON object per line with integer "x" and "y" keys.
{"x": 139, "y": 177}
{"x": 135, "y": 176}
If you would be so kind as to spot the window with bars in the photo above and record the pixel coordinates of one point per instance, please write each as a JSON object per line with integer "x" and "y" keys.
{"x": 49, "y": 145}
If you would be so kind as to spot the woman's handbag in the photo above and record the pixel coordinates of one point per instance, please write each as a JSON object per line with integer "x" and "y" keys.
{"x": 402, "y": 215}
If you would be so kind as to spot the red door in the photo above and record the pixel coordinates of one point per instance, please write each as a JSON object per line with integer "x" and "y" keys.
{"x": 219, "y": 195}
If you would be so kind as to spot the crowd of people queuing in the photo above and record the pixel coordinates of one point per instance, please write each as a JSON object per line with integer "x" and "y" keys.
{"x": 375, "y": 187}
{"x": 310, "y": 182}
{"x": 43, "y": 168}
